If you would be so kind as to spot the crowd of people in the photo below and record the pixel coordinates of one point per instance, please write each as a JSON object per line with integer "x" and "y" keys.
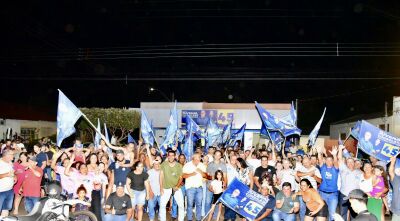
{"x": 136, "y": 180}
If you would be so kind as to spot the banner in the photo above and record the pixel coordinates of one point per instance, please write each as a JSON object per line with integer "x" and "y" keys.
{"x": 243, "y": 200}
{"x": 376, "y": 142}
{"x": 201, "y": 117}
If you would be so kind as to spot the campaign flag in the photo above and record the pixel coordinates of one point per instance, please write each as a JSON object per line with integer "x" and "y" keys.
{"x": 212, "y": 134}
{"x": 146, "y": 131}
{"x": 291, "y": 118}
{"x": 192, "y": 130}
{"x": 130, "y": 139}
{"x": 314, "y": 133}
{"x": 106, "y": 133}
{"x": 237, "y": 136}
{"x": 244, "y": 201}
{"x": 171, "y": 131}
{"x": 356, "y": 130}
{"x": 67, "y": 115}
{"x": 274, "y": 123}
{"x": 377, "y": 143}
{"x": 97, "y": 137}
{"x": 226, "y": 134}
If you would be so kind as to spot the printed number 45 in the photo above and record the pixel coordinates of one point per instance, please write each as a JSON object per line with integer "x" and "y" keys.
{"x": 389, "y": 150}
{"x": 252, "y": 208}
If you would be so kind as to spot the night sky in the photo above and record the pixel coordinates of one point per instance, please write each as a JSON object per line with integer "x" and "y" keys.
{"x": 340, "y": 54}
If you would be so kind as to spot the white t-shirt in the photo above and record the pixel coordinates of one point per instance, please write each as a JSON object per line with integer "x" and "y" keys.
{"x": 288, "y": 176}
{"x": 216, "y": 186}
{"x": 6, "y": 183}
{"x": 302, "y": 169}
{"x": 254, "y": 164}
{"x": 196, "y": 180}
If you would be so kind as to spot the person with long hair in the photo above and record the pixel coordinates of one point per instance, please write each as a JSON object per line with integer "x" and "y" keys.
{"x": 315, "y": 205}
{"x": 216, "y": 187}
{"x": 379, "y": 183}
{"x": 92, "y": 162}
{"x": 245, "y": 173}
{"x": 20, "y": 168}
{"x": 138, "y": 185}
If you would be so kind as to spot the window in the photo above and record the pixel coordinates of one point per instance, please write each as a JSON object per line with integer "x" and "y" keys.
{"x": 28, "y": 133}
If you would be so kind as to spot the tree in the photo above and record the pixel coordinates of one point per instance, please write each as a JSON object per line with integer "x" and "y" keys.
{"x": 120, "y": 122}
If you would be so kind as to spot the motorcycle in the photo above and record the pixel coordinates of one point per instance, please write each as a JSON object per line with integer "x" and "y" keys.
{"x": 54, "y": 207}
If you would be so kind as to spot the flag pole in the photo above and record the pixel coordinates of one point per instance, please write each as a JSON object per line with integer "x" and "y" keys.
{"x": 92, "y": 125}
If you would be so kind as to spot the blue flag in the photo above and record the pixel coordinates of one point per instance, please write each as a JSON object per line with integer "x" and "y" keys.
{"x": 172, "y": 131}
{"x": 377, "y": 143}
{"x": 244, "y": 201}
{"x": 97, "y": 137}
{"x": 109, "y": 150}
{"x": 226, "y": 134}
{"x": 213, "y": 134}
{"x": 146, "y": 131}
{"x": 106, "y": 132}
{"x": 237, "y": 136}
{"x": 290, "y": 119}
{"x": 67, "y": 115}
{"x": 356, "y": 130}
{"x": 314, "y": 133}
{"x": 193, "y": 132}
{"x": 274, "y": 123}
{"x": 130, "y": 139}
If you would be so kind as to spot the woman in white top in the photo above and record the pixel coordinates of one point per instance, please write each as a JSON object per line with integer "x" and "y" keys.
{"x": 217, "y": 187}
{"x": 245, "y": 173}
{"x": 367, "y": 178}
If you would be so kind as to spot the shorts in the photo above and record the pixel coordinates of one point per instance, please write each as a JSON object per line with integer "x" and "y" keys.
{"x": 322, "y": 213}
{"x": 139, "y": 198}
{"x": 216, "y": 198}
{"x": 6, "y": 200}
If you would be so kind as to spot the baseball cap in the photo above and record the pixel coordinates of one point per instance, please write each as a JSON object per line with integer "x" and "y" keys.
{"x": 120, "y": 184}
{"x": 357, "y": 194}
{"x": 120, "y": 152}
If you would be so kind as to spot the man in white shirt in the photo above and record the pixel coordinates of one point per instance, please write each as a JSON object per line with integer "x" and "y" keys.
{"x": 6, "y": 182}
{"x": 193, "y": 173}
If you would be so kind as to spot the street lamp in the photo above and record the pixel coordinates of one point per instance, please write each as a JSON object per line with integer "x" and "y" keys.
{"x": 152, "y": 89}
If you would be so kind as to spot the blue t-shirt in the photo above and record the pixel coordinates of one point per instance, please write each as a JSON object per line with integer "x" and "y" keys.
{"x": 42, "y": 156}
{"x": 329, "y": 179}
{"x": 270, "y": 205}
{"x": 120, "y": 173}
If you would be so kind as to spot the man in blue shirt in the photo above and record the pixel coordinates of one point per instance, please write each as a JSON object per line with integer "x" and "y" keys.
{"x": 330, "y": 174}
{"x": 118, "y": 172}
{"x": 266, "y": 213}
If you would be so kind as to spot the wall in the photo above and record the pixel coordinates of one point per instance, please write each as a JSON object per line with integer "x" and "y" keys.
{"x": 336, "y": 129}
{"x": 46, "y": 128}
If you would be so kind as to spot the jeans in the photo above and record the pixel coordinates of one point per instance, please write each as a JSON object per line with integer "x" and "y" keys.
{"x": 110, "y": 217}
{"x": 331, "y": 200}
{"x": 344, "y": 206}
{"x": 278, "y": 215}
{"x": 302, "y": 211}
{"x": 6, "y": 200}
{"x": 30, "y": 203}
{"x": 194, "y": 197}
{"x": 229, "y": 214}
{"x": 174, "y": 211}
{"x": 164, "y": 199}
{"x": 203, "y": 202}
{"x": 152, "y": 203}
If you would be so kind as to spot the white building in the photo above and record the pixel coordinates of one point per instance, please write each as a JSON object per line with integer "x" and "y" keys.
{"x": 159, "y": 112}
{"x": 27, "y": 122}
{"x": 342, "y": 128}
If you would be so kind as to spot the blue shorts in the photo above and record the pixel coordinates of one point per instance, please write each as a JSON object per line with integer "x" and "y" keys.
{"x": 6, "y": 200}
{"x": 139, "y": 198}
